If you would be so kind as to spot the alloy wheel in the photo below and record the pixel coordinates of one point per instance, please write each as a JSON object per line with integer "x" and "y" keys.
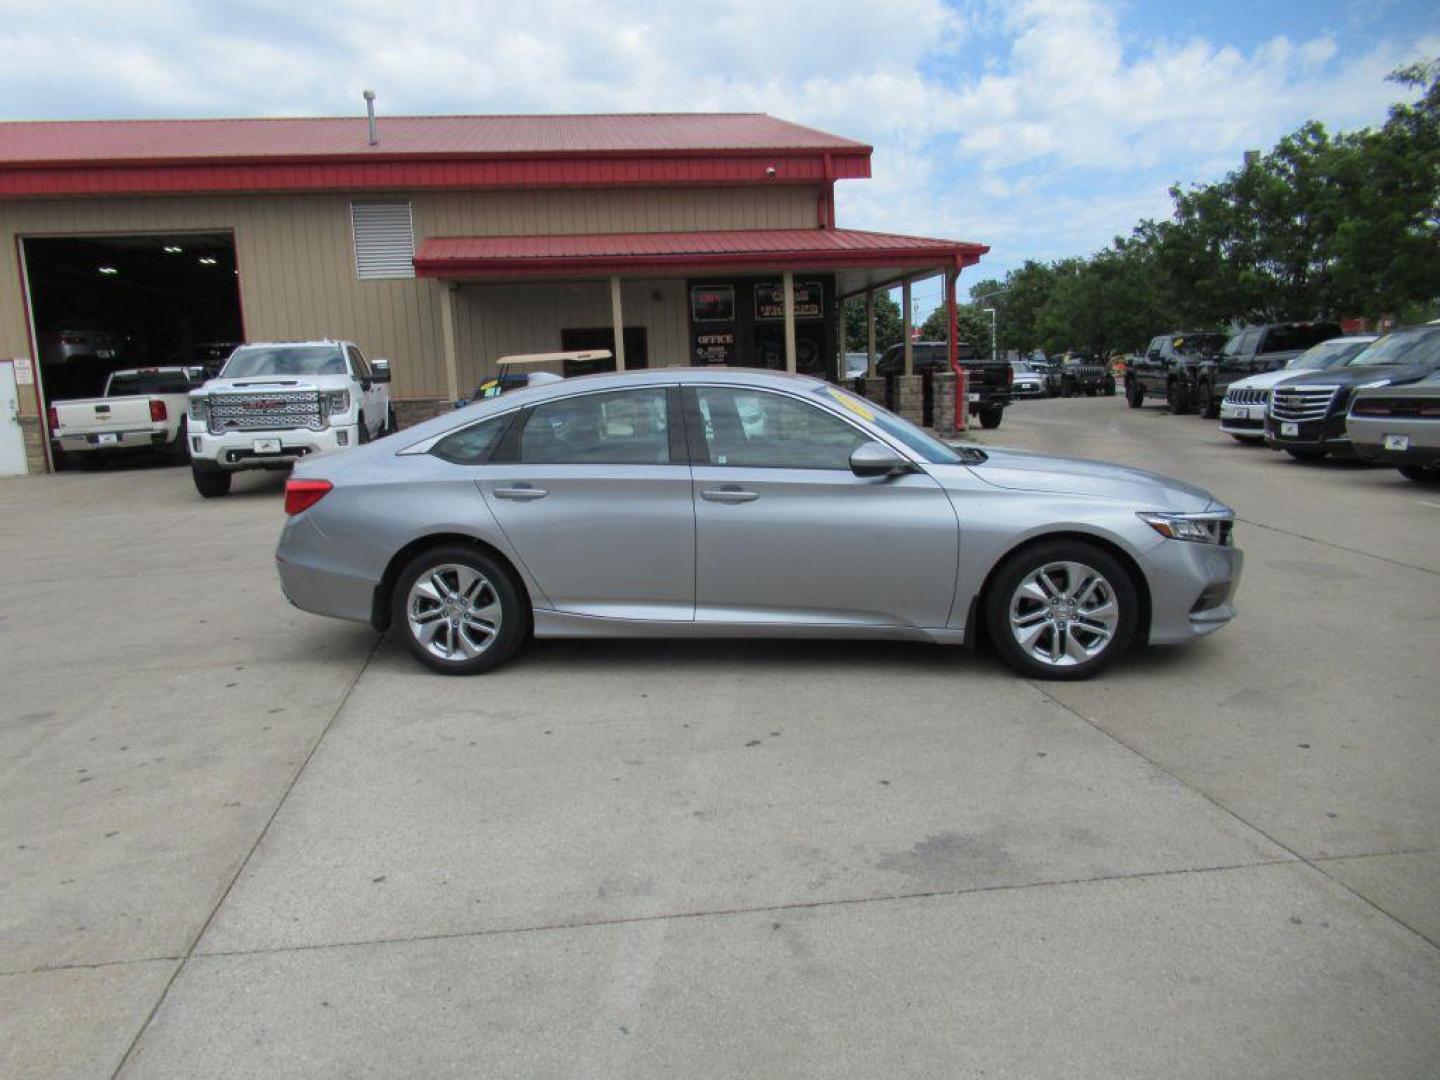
{"x": 453, "y": 611}
{"x": 1064, "y": 613}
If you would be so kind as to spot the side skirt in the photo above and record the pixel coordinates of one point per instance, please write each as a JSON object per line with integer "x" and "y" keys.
{"x": 561, "y": 625}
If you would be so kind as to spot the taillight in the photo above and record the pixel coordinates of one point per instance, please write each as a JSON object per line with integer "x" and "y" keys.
{"x": 157, "y": 411}
{"x": 54, "y": 416}
{"x": 300, "y": 495}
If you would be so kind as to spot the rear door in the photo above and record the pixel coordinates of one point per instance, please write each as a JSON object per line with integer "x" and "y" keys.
{"x": 593, "y": 493}
{"x": 786, "y": 533}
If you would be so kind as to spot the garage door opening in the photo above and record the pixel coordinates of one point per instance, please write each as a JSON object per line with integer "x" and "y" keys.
{"x": 101, "y": 303}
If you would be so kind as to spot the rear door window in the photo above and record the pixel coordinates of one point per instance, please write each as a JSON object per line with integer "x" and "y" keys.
{"x": 623, "y": 427}
{"x": 472, "y": 445}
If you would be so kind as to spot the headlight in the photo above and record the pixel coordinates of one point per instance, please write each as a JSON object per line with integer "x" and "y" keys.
{"x": 1196, "y": 528}
{"x": 336, "y": 402}
{"x": 199, "y": 410}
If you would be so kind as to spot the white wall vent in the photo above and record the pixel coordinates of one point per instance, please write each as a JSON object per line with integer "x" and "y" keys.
{"x": 384, "y": 240}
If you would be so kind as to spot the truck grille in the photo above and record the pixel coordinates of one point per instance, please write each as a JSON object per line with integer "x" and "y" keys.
{"x": 1302, "y": 402}
{"x": 276, "y": 410}
{"x": 1247, "y": 397}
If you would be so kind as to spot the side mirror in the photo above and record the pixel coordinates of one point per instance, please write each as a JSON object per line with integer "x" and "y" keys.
{"x": 877, "y": 459}
{"x": 380, "y": 371}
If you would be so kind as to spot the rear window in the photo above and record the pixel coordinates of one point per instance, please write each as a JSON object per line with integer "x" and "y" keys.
{"x": 1293, "y": 337}
{"x": 255, "y": 360}
{"x": 127, "y": 384}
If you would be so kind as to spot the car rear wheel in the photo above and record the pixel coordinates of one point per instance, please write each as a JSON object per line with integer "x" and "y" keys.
{"x": 1209, "y": 405}
{"x": 459, "y": 611}
{"x": 990, "y": 418}
{"x": 210, "y": 483}
{"x": 1063, "y": 609}
{"x": 1134, "y": 396}
{"x": 1419, "y": 472}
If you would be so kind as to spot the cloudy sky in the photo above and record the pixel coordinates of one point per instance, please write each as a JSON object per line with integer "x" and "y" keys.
{"x": 1040, "y": 127}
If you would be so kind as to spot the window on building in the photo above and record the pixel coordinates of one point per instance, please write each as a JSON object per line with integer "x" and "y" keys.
{"x": 384, "y": 240}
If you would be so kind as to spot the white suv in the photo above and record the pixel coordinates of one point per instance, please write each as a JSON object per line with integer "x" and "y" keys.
{"x": 274, "y": 403}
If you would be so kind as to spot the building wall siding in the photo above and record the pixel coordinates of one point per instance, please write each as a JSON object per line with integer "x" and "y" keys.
{"x": 297, "y": 272}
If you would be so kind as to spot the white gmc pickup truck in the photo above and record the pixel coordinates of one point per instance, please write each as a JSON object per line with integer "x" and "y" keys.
{"x": 274, "y": 403}
{"x": 142, "y": 409}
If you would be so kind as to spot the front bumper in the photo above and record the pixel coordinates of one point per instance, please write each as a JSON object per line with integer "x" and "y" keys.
{"x": 1328, "y": 435}
{"x": 1033, "y": 389}
{"x": 238, "y": 451}
{"x": 1192, "y": 589}
{"x": 1242, "y": 419}
{"x": 1368, "y": 435}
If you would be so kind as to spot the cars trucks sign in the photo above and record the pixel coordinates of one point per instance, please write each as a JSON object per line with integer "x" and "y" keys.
{"x": 770, "y": 301}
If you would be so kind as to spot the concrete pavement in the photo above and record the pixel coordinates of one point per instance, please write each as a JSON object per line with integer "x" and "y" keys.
{"x": 243, "y": 841}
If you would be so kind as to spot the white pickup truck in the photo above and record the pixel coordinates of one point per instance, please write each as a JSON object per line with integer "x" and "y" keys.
{"x": 276, "y": 402}
{"x": 142, "y": 409}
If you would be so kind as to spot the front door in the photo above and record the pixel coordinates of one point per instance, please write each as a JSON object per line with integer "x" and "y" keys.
{"x": 593, "y": 493}
{"x": 12, "y": 442}
{"x": 785, "y": 532}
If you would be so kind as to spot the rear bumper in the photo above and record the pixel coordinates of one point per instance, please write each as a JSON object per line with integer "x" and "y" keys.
{"x": 311, "y": 581}
{"x": 1368, "y": 435}
{"x": 149, "y": 438}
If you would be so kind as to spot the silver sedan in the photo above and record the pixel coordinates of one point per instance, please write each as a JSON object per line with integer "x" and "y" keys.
{"x": 734, "y": 503}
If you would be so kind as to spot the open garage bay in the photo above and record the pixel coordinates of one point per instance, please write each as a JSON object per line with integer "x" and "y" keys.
{"x": 243, "y": 841}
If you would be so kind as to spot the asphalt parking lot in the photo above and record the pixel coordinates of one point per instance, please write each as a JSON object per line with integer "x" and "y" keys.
{"x": 243, "y": 841}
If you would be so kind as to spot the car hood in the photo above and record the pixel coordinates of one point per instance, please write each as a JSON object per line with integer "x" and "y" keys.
{"x": 1356, "y": 376}
{"x": 1020, "y": 470}
{"x": 1265, "y": 380}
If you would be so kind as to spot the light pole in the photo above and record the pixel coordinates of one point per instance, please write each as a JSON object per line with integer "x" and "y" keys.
{"x": 991, "y": 312}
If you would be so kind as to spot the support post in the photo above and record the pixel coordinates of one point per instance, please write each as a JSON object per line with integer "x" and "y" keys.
{"x": 617, "y": 319}
{"x": 962, "y": 400}
{"x": 787, "y": 286}
{"x": 447, "y": 336}
{"x": 870, "y": 332}
{"x": 909, "y": 345}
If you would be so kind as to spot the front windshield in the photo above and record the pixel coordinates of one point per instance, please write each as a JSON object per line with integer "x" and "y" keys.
{"x": 1022, "y": 368}
{"x": 1327, "y": 354}
{"x": 1419, "y": 345}
{"x": 250, "y": 361}
{"x": 927, "y": 446}
{"x": 1200, "y": 344}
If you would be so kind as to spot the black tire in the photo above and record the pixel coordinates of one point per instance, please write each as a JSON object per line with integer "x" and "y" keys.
{"x": 1178, "y": 398}
{"x": 89, "y": 461}
{"x": 391, "y": 427}
{"x": 178, "y": 452}
{"x": 210, "y": 483}
{"x": 362, "y": 433}
{"x": 991, "y": 416}
{"x": 1248, "y": 440}
{"x": 1422, "y": 473}
{"x": 515, "y": 614}
{"x": 1134, "y": 395}
{"x": 1019, "y": 566}
{"x": 1209, "y": 404}
{"x": 1067, "y": 389}
{"x": 1309, "y": 457}
{"x": 1109, "y": 387}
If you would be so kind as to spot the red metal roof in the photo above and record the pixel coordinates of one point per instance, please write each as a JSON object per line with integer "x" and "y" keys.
{"x": 172, "y": 156}
{"x": 519, "y": 256}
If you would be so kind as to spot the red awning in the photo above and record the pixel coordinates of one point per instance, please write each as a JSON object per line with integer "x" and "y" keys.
{"x": 508, "y": 257}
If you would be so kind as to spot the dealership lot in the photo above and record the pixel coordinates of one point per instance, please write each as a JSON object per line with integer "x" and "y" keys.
{"x": 240, "y": 840}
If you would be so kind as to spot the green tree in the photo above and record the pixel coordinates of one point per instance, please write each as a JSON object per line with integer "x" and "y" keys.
{"x": 888, "y": 328}
{"x": 972, "y": 326}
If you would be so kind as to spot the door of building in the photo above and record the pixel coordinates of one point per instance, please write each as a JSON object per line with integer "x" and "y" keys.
{"x": 12, "y": 442}
{"x": 603, "y": 337}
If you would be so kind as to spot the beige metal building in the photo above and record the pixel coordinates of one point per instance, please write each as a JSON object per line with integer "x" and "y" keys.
{"x": 442, "y": 245}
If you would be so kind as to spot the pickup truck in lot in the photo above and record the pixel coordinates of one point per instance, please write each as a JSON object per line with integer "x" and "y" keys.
{"x": 1306, "y": 415}
{"x": 1253, "y": 351}
{"x": 142, "y": 410}
{"x": 277, "y": 402}
{"x": 1169, "y": 369}
{"x": 987, "y": 382}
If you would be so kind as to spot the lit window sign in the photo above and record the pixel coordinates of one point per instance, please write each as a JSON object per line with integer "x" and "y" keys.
{"x": 712, "y": 303}
{"x": 770, "y": 301}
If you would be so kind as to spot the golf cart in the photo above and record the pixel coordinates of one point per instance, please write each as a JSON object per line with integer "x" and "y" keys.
{"x": 511, "y": 371}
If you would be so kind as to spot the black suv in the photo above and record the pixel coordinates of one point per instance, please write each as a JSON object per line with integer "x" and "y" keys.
{"x": 1306, "y": 417}
{"x": 1170, "y": 367}
{"x": 1081, "y": 373}
{"x": 987, "y": 382}
{"x": 1252, "y": 351}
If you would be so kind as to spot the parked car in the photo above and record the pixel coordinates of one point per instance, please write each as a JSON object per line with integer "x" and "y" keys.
{"x": 1026, "y": 381}
{"x": 987, "y": 382}
{"x": 856, "y": 364}
{"x": 734, "y": 503}
{"x": 1081, "y": 373}
{"x": 1169, "y": 368}
{"x": 1306, "y": 415}
{"x": 1242, "y": 412}
{"x": 1400, "y": 426}
{"x": 59, "y": 348}
{"x": 1252, "y": 352}
{"x": 275, "y": 403}
{"x": 142, "y": 409}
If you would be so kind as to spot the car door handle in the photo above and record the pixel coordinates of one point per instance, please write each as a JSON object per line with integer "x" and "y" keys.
{"x": 729, "y": 494}
{"x": 521, "y": 493}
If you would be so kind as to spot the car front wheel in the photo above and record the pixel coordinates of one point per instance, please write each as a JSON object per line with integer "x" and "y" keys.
{"x": 459, "y": 611}
{"x": 1419, "y": 472}
{"x": 1061, "y": 610}
{"x": 210, "y": 483}
{"x": 1134, "y": 396}
{"x": 1178, "y": 398}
